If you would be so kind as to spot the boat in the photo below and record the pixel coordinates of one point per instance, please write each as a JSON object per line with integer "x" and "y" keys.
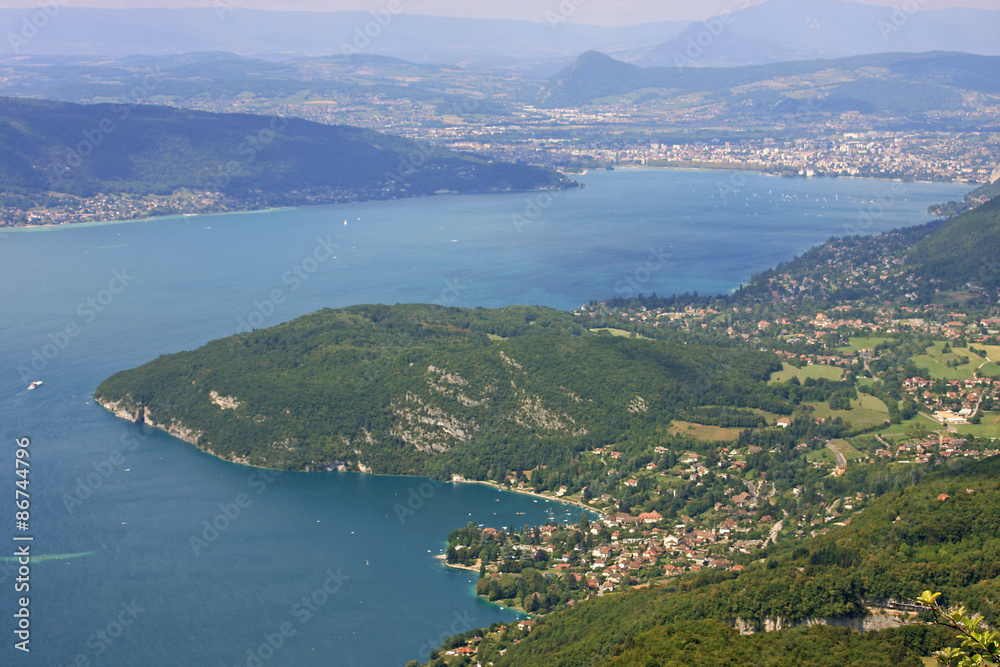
{"x": 36, "y": 383}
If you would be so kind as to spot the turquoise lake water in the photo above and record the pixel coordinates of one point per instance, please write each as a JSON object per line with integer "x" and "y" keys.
{"x": 325, "y": 567}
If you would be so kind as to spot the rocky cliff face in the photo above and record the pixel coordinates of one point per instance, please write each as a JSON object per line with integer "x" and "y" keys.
{"x": 124, "y": 409}
{"x": 877, "y": 619}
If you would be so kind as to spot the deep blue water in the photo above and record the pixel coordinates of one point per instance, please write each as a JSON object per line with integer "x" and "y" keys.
{"x": 80, "y": 303}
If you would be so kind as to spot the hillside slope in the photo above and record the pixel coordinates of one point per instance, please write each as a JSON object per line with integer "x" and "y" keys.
{"x": 966, "y": 249}
{"x": 428, "y": 390}
{"x": 141, "y": 149}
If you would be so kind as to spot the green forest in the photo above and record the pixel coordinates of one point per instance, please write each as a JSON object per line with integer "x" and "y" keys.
{"x": 137, "y": 149}
{"x": 437, "y": 391}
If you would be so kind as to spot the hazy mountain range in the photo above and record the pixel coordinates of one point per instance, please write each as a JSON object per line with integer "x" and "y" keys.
{"x": 902, "y": 83}
{"x": 796, "y": 29}
{"x": 773, "y": 31}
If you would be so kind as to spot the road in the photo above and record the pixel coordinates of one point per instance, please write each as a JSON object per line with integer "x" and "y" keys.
{"x": 773, "y": 536}
{"x": 841, "y": 460}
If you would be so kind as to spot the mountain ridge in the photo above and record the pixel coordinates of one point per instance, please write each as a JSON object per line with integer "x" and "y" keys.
{"x": 146, "y": 150}
{"x": 831, "y": 28}
{"x": 783, "y": 30}
{"x": 594, "y": 75}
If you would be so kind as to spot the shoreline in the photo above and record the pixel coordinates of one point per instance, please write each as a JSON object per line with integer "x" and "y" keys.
{"x": 117, "y": 411}
{"x": 498, "y": 487}
{"x": 721, "y": 168}
{"x": 777, "y": 174}
{"x": 268, "y": 209}
{"x": 466, "y": 568}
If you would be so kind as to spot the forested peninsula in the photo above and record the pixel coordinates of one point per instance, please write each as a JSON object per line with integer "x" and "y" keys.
{"x": 429, "y": 390}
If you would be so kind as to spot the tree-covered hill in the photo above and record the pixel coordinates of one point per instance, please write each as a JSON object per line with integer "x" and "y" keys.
{"x": 84, "y": 150}
{"x": 941, "y": 535}
{"x": 965, "y": 250}
{"x": 912, "y": 265}
{"x": 431, "y": 390}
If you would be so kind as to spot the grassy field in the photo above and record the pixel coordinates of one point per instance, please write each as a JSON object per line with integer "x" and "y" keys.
{"x": 989, "y": 427}
{"x": 920, "y": 420}
{"x": 858, "y": 344}
{"x": 865, "y": 411}
{"x": 771, "y": 417}
{"x": 992, "y": 351}
{"x": 847, "y": 449}
{"x": 821, "y": 456}
{"x": 991, "y": 369}
{"x": 619, "y": 333}
{"x": 702, "y": 432}
{"x": 935, "y": 361}
{"x": 816, "y": 372}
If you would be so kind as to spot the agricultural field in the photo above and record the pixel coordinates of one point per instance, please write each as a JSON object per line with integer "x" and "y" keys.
{"x": 989, "y": 426}
{"x": 909, "y": 428}
{"x": 702, "y": 432}
{"x": 866, "y": 410}
{"x": 618, "y": 333}
{"x": 937, "y": 361}
{"x": 847, "y": 449}
{"x": 816, "y": 372}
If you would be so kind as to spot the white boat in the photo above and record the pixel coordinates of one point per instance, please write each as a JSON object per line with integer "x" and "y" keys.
{"x": 36, "y": 383}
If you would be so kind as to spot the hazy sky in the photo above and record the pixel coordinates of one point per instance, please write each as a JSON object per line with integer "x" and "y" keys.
{"x": 585, "y": 11}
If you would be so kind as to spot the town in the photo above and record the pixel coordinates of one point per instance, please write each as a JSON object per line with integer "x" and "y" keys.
{"x": 890, "y": 387}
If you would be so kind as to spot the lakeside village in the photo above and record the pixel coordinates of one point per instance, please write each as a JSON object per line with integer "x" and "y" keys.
{"x": 737, "y": 499}
{"x": 62, "y": 209}
{"x": 920, "y": 391}
{"x": 736, "y": 513}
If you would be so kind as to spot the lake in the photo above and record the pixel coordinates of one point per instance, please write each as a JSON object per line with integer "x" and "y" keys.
{"x": 162, "y": 555}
